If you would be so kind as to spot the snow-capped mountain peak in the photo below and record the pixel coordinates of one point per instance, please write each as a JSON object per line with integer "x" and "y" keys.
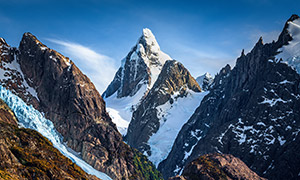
{"x": 150, "y": 39}
{"x": 142, "y": 65}
{"x": 149, "y": 50}
{"x": 138, "y": 72}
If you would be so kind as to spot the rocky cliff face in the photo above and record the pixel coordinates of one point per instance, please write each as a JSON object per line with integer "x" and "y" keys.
{"x": 173, "y": 84}
{"x": 26, "y": 154}
{"x": 217, "y": 166}
{"x": 252, "y": 112}
{"x": 70, "y": 100}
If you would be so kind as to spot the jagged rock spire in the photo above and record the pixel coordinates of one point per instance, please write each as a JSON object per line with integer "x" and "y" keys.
{"x": 140, "y": 67}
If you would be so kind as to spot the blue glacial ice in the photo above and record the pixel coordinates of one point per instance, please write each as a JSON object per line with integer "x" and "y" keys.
{"x": 29, "y": 117}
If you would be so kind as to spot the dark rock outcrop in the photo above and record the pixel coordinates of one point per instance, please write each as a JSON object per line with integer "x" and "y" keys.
{"x": 26, "y": 154}
{"x": 251, "y": 112}
{"x": 174, "y": 78}
{"x": 217, "y": 167}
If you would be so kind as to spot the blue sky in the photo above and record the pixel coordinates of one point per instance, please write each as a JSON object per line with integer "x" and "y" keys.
{"x": 97, "y": 34}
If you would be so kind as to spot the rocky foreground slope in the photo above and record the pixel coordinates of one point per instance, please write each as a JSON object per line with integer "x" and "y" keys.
{"x": 252, "y": 111}
{"x": 217, "y": 167}
{"x": 54, "y": 85}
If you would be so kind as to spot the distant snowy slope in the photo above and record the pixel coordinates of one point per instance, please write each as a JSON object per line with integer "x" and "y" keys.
{"x": 172, "y": 117}
{"x": 120, "y": 109}
{"x": 290, "y": 54}
{"x": 28, "y": 117}
{"x": 204, "y": 81}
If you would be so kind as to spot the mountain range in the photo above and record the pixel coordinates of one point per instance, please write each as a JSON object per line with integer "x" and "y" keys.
{"x": 154, "y": 120}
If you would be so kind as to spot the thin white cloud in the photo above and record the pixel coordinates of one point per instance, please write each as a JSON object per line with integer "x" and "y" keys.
{"x": 98, "y": 67}
{"x": 254, "y": 34}
{"x": 267, "y": 36}
{"x": 201, "y": 60}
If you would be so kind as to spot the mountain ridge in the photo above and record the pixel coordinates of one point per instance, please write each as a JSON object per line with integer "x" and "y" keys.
{"x": 251, "y": 112}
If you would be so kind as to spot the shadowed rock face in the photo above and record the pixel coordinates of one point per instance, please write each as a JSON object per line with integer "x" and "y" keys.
{"x": 129, "y": 78}
{"x": 217, "y": 166}
{"x": 174, "y": 78}
{"x": 26, "y": 154}
{"x": 251, "y": 112}
{"x": 69, "y": 99}
{"x": 66, "y": 96}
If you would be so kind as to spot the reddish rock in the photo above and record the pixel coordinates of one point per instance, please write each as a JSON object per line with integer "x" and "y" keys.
{"x": 217, "y": 167}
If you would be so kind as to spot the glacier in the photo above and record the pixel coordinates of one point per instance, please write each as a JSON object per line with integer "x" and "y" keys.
{"x": 28, "y": 117}
{"x": 120, "y": 109}
{"x": 172, "y": 118}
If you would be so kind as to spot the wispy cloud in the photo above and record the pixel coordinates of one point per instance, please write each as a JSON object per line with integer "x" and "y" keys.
{"x": 267, "y": 36}
{"x": 98, "y": 67}
{"x": 253, "y": 34}
{"x": 202, "y": 59}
